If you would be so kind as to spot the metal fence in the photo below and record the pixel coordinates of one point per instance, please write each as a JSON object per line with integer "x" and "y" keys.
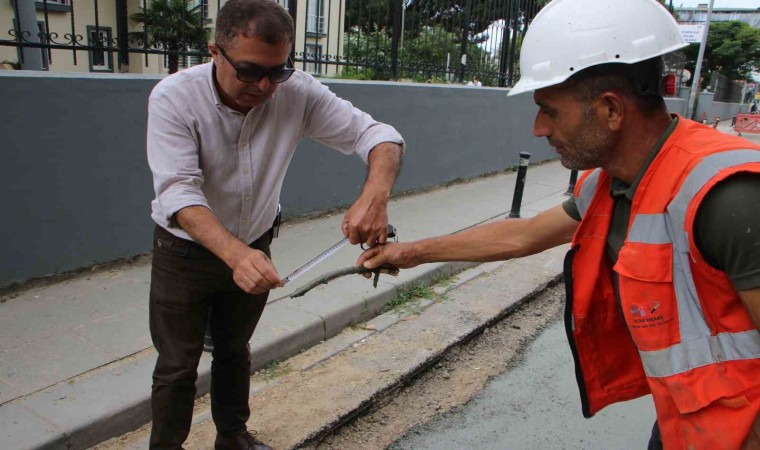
{"x": 176, "y": 29}
{"x": 418, "y": 40}
{"x": 727, "y": 90}
{"x": 675, "y": 64}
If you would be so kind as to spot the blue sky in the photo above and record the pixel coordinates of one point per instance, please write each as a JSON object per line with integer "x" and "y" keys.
{"x": 719, "y": 3}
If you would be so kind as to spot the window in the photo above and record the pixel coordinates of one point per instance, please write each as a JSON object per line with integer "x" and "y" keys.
{"x": 101, "y": 57}
{"x": 53, "y": 5}
{"x": 313, "y": 51}
{"x": 315, "y": 19}
{"x": 204, "y": 6}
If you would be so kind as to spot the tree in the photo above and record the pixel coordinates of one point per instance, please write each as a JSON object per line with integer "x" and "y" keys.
{"x": 453, "y": 15}
{"x": 443, "y": 23}
{"x": 733, "y": 49}
{"x": 422, "y": 58}
{"x": 172, "y": 25}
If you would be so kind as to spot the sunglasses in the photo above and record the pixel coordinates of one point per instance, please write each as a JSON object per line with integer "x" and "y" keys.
{"x": 253, "y": 73}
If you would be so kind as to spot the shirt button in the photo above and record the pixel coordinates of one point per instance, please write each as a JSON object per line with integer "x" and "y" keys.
{"x": 245, "y": 171}
{"x": 247, "y": 197}
{"x": 244, "y": 220}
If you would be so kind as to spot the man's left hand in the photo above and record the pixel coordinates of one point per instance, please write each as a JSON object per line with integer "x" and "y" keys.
{"x": 366, "y": 222}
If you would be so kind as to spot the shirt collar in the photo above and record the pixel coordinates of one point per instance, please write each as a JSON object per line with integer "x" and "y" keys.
{"x": 619, "y": 187}
{"x": 212, "y": 85}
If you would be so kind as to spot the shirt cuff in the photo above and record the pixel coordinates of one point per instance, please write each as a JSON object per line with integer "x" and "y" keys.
{"x": 377, "y": 135}
{"x": 173, "y": 200}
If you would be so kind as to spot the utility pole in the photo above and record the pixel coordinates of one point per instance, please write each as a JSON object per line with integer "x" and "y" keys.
{"x": 465, "y": 40}
{"x": 293, "y": 10}
{"x": 396, "y": 8}
{"x": 698, "y": 68}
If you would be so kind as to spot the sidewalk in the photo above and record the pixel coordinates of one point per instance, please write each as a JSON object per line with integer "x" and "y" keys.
{"x": 725, "y": 126}
{"x": 76, "y": 357}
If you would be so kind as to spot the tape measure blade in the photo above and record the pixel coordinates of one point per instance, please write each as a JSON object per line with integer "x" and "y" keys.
{"x": 318, "y": 259}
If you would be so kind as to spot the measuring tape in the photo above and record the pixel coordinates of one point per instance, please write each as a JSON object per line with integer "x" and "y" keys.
{"x": 309, "y": 265}
{"x": 326, "y": 254}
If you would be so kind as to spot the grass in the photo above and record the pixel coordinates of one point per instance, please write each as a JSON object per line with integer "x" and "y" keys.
{"x": 275, "y": 369}
{"x": 408, "y": 299}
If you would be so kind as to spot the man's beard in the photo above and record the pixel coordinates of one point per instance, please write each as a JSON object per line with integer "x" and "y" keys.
{"x": 589, "y": 147}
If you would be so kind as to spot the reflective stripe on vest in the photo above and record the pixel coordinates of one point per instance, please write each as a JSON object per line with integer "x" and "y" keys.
{"x": 697, "y": 348}
{"x": 583, "y": 201}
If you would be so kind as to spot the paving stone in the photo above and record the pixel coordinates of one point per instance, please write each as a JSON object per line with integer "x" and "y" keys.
{"x": 21, "y": 428}
{"x": 46, "y": 362}
{"x": 121, "y": 335}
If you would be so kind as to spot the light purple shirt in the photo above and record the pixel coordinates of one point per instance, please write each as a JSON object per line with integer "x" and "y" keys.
{"x": 202, "y": 152}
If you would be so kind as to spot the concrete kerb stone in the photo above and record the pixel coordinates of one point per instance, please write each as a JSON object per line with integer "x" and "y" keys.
{"x": 282, "y": 332}
{"x": 115, "y": 399}
{"x": 340, "y": 304}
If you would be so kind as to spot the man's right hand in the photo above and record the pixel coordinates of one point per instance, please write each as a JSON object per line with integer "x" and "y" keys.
{"x": 254, "y": 272}
{"x": 252, "y": 269}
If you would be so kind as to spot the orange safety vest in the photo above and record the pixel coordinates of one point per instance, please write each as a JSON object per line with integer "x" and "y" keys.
{"x": 681, "y": 332}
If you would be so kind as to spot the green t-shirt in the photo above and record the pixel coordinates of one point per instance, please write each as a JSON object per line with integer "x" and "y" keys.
{"x": 726, "y": 229}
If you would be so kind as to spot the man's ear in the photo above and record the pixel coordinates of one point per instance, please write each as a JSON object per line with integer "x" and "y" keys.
{"x": 213, "y": 49}
{"x": 611, "y": 109}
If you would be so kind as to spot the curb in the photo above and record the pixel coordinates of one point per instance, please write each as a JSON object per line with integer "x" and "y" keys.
{"x": 115, "y": 399}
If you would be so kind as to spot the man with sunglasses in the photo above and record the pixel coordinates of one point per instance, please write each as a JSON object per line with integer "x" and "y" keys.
{"x": 220, "y": 138}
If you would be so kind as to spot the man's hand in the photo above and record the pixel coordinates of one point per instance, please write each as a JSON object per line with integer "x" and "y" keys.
{"x": 253, "y": 271}
{"x": 402, "y": 256}
{"x": 366, "y": 222}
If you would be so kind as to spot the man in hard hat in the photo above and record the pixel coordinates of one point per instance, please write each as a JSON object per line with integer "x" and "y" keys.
{"x": 663, "y": 275}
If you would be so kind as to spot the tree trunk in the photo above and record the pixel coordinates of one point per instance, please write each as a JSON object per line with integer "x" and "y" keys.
{"x": 173, "y": 63}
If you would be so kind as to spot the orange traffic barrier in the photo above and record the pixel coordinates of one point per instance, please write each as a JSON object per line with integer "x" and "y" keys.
{"x": 747, "y": 123}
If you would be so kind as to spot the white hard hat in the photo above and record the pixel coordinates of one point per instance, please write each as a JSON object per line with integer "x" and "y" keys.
{"x": 568, "y": 36}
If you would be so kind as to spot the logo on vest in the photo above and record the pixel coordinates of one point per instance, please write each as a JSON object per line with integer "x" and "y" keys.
{"x": 649, "y": 308}
{"x": 644, "y": 315}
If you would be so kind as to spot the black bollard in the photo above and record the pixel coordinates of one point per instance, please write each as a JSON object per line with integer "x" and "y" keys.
{"x": 573, "y": 179}
{"x": 522, "y": 169}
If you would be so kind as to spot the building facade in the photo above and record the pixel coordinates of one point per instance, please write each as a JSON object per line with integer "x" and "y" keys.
{"x": 91, "y": 36}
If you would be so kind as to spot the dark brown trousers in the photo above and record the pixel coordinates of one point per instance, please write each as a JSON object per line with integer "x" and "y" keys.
{"x": 186, "y": 281}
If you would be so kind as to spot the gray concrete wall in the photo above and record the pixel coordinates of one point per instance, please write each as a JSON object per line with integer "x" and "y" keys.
{"x": 78, "y": 188}
{"x": 676, "y": 105}
{"x": 725, "y": 111}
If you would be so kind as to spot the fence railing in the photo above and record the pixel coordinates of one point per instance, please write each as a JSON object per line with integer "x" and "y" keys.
{"x": 418, "y": 40}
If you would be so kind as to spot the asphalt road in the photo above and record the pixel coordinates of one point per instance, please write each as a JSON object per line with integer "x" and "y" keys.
{"x": 536, "y": 406}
